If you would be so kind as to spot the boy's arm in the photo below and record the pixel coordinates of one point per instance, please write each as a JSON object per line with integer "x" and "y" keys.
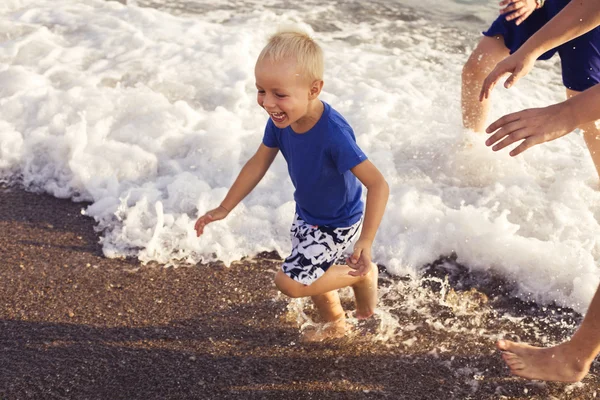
{"x": 252, "y": 172}
{"x": 578, "y": 17}
{"x": 377, "y": 196}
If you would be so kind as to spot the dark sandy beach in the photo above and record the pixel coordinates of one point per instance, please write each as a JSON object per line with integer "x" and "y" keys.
{"x": 76, "y": 325}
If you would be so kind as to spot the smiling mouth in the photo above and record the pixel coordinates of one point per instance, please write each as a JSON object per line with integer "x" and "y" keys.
{"x": 278, "y": 117}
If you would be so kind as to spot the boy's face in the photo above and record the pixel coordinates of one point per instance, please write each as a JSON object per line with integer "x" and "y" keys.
{"x": 287, "y": 95}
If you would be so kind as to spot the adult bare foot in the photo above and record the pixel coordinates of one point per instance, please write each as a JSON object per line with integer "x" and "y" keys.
{"x": 558, "y": 363}
{"x": 365, "y": 293}
{"x": 329, "y": 330}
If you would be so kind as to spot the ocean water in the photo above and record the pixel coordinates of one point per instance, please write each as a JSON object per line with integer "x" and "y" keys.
{"x": 147, "y": 110}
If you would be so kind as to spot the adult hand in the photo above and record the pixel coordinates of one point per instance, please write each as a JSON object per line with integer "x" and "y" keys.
{"x": 517, "y": 64}
{"x": 532, "y": 126}
{"x": 360, "y": 260}
{"x": 211, "y": 216}
{"x": 518, "y": 9}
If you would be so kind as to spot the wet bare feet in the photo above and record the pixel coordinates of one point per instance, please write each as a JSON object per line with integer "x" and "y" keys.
{"x": 328, "y": 331}
{"x": 365, "y": 293}
{"x": 557, "y": 363}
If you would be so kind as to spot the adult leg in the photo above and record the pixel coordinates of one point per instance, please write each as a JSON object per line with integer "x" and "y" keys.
{"x": 489, "y": 52}
{"x": 568, "y": 362}
{"x": 591, "y": 134}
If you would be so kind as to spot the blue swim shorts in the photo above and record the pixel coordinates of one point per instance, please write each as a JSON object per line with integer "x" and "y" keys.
{"x": 579, "y": 58}
{"x": 315, "y": 249}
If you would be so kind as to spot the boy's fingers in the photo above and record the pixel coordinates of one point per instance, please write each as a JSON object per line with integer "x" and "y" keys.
{"x": 350, "y": 263}
{"x": 201, "y": 223}
{"x": 356, "y": 255}
{"x": 362, "y": 270}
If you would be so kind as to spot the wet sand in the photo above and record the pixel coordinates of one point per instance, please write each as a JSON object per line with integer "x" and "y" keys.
{"x": 76, "y": 325}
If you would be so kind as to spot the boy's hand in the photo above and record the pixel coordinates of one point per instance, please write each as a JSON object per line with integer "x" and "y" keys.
{"x": 211, "y": 216}
{"x": 360, "y": 260}
{"x": 518, "y": 9}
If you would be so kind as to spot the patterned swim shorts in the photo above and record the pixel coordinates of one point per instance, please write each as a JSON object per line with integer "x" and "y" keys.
{"x": 315, "y": 249}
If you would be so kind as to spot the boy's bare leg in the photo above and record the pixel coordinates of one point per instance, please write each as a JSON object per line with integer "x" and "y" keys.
{"x": 331, "y": 312}
{"x": 489, "y": 52}
{"x": 336, "y": 277}
{"x": 567, "y": 362}
{"x": 591, "y": 134}
{"x": 365, "y": 293}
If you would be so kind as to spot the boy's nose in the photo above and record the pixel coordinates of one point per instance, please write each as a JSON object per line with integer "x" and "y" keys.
{"x": 269, "y": 102}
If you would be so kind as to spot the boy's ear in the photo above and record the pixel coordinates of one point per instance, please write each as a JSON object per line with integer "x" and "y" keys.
{"x": 315, "y": 89}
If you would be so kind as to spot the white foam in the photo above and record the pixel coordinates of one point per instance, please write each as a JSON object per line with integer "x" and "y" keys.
{"x": 150, "y": 116}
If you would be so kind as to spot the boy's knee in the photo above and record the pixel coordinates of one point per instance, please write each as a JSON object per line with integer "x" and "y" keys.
{"x": 287, "y": 285}
{"x": 373, "y": 271}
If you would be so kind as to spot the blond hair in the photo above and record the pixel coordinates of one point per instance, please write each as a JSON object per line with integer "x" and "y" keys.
{"x": 296, "y": 45}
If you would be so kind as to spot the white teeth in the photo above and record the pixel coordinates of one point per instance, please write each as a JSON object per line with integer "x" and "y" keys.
{"x": 278, "y": 116}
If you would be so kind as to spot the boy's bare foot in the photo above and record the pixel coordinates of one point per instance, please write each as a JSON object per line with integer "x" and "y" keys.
{"x": 556, "y": 363}
{"x": 365, "y": 293}
{"x": 330, "y": 330}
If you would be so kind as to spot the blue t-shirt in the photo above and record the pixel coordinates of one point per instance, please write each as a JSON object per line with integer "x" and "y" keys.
{"x": 319, "y": 163}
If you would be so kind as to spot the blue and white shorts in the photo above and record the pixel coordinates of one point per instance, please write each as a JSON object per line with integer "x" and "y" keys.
{"x": 315, "y": 249}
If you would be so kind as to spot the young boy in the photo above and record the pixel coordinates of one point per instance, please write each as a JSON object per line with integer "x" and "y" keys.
{"x": 580, "y": 60}
{"x": 327, "y": 168}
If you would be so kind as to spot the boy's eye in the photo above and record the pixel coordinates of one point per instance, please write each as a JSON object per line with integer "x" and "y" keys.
{"x": 281, "y": 96}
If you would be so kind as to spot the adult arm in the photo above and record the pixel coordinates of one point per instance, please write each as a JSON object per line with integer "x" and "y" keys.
{"x": 578, "y": 17}
{"x": 538, "y": 125}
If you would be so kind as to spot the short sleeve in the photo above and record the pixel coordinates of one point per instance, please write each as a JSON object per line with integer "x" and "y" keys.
{"x": 345, "y": 152}
{"x": 270, "y": 136}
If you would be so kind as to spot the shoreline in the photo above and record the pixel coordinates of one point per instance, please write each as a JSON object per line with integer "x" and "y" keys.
{"x": 75, "y": 324}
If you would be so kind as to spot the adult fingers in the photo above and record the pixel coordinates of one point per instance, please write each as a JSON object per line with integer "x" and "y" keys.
{"x": 528, "y": 143}
{"x": 518, "y": 13}
{"x": 507, "y": 130}
{"x": 523, "y": 17}
{"x": 505, "y": 120}
{"x": 490, "y": 81}
{"x": 515, "y": 5}
{"x": 514, "y": 136}
{"x": 513, "y": 78}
